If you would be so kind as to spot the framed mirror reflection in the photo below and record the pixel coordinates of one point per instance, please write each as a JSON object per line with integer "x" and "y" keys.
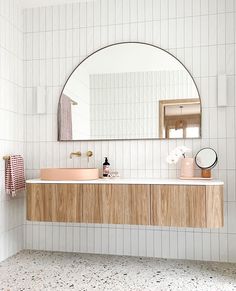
{"x": 129, "y": 91}
{"x": 180, "y": 118}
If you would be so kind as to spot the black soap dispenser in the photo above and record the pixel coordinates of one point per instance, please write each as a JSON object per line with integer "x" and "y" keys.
{"x": 106, "y": 168}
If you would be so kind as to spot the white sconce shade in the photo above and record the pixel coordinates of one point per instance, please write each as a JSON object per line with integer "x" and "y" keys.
{"x": 222, "y": 90}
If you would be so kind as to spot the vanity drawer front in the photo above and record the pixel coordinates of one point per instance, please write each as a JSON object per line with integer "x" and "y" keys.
{"x": 91, "y": 203}
{"x": 65, "y": 203}
{"x": 116, "y": 204}
{"x": 53, "y": 202}
{"x": 114, "y": 201}
{"x": 35, "y": 202}
{"x": 178, "y": 205}
{"x": 214, "y": 206}
{"x": 139, "y": 207}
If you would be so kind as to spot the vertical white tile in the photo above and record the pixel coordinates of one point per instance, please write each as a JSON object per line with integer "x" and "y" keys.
{"x": 230, "y": 59}
{"x": 48, "y": 237}
{"x": 180, "y": 33}
{"x": 119, "y": 241}
{"x": 221, "y": 6}
{"x": 212, "y": 6}
{"x": 229, "y": 26}
{"x": 172, "y": 33}
{"x": 56, "y": 238}
{"x": 223, "y": 246}
{"x": 104, "y": 12}
{"x": 127, "y": 241}
{"x": 105, "y": 240}
{"x": 83, "y": 239}
{"x": 142, "y": 242}
{"x": 134, "y": 248}
{"x": 173, "y": 244}
{"x": 69, "y": 239}
{"x": 90, "y": 240}
{"x": 198, "y": 245}
{"x": 206, "y": 251}
{"x": 98, "y": 240}
{"x": 150, "y": 242}
{"x": 49, "y": 19}
{"x": 190, "y": 246}
{"x": 232, "y": 251}
{"x": 35, "y": 235}
{"x": 215, "y": 247}
{"x": 221, "y": 28}
{"x": 42, "y": 237}
{"x": 76, "y": 239}
{"x": 157, "y": 244}
{"x": 181, "y": 244}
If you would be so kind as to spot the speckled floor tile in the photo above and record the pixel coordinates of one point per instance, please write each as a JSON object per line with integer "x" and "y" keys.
{"x": 35, "y": 270}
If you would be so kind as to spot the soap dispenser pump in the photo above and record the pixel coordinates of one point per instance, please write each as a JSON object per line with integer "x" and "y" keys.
{"x": 106, "y": 168}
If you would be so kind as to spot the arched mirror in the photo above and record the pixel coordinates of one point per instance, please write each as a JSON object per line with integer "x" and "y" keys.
{"x": 129, "y": 91}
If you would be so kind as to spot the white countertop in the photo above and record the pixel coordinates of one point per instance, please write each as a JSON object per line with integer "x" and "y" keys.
{"x": 134, "y": 181}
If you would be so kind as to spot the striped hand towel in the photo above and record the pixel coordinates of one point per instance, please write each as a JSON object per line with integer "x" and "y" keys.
{"x": 14, "y": 175}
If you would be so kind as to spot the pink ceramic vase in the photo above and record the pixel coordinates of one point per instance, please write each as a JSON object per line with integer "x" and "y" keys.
{"x": 187, "y": 168}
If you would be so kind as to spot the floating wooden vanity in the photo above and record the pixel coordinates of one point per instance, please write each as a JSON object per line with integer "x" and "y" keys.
{"x": 138, "y": 201}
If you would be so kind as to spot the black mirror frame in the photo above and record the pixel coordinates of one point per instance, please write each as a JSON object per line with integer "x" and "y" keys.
{"x": 215, "y": 162}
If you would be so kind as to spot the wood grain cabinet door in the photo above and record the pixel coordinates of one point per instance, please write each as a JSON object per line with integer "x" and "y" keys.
{"x": 64, "y": 200}
{"x": 137, "y": 205}
{"x": 35, "y": 202}
{"x": 168, "y": 205}
{"x": 175, "y": 205}
{"x": 195, "y": 206}
{"x": 113, "y": 203}
{"x": 91, "y": 203}
{"x": 53, "y": 202}
{"x": 215, "y": 206}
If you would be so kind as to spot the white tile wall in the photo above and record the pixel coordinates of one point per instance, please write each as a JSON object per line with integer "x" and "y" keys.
{"x": 11, "y": 122}
{"x": 202, "y": 35}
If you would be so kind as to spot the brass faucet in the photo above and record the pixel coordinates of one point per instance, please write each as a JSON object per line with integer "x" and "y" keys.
{"x": 77, "y": 154}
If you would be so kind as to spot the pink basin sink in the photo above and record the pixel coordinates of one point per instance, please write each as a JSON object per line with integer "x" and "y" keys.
{"x": 61, "y": 174}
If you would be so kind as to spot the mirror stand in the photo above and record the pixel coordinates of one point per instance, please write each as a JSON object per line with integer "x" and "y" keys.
{"x": 206, "y": 173}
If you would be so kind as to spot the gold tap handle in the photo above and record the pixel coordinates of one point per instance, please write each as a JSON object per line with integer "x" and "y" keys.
{"x": 89, "y": 154}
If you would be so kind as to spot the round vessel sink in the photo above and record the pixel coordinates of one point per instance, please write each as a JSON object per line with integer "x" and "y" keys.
{"x": 75, "y": 174}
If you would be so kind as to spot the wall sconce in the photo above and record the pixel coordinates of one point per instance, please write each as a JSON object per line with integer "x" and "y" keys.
{"x": 222, "y": 90}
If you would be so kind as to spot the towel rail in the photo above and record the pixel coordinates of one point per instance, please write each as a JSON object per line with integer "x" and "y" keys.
{"x": 5, "y": 158}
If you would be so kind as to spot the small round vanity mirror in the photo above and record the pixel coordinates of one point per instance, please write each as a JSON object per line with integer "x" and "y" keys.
{"x": 206, "y": 159}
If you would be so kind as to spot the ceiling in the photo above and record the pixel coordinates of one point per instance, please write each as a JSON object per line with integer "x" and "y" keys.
{"x": 41, "y": 3}
{"x": 185, "y": 109}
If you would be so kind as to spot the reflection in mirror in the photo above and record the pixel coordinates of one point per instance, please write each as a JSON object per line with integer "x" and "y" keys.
{"x": 180, "y": 118}
{"x": 117, "y": 93}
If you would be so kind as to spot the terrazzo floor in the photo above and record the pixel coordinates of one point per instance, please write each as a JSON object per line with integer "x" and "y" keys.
{"x": 36, "y": 270}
